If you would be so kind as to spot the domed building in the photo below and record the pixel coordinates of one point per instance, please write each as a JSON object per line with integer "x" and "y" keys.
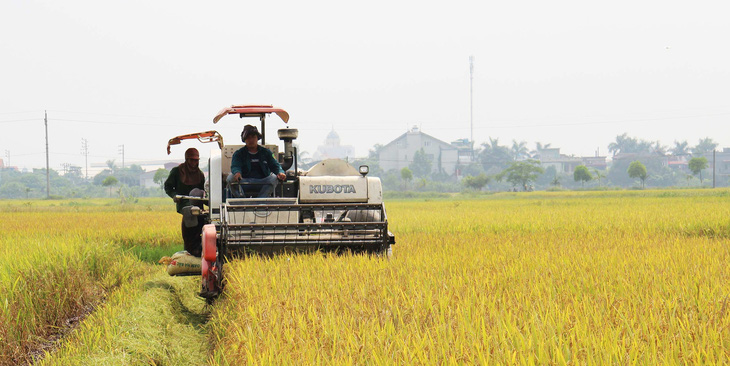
{"x": 332, "y": 148}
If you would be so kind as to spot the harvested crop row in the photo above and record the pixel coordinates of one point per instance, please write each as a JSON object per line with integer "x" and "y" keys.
{"x": 156, "y": 319}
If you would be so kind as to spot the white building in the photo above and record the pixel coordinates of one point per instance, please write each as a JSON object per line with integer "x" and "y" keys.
{"x": 398, "y": 153}
{"x": 332, "y": 148}
{"x": 561, "y": 162}
{"x": 147, "y": 180}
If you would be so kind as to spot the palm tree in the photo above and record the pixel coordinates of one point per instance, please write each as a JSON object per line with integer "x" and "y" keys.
{"x": 492, "y": 145}
{"x": 705, "y": 145}
{"x": 643, "y": 146}
{"x": 112, "y": 167}
{"x": 680, "y": 148}
{"x": 519, "y": 150}
{"x": 599, "y": 175}
{"x": 494, "y": 154}
{"x": 659, "y": 149}
{"x": 619, "y": 145}
{"x": 626, "y": 144}
{"x": 535, "y": 154}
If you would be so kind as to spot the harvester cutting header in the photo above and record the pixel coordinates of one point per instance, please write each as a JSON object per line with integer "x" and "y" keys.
{"x": 259, "y": 202}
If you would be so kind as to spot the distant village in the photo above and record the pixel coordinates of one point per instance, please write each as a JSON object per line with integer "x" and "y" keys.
{"x": 433, "y": 161}
{"x": 417, "y": 161}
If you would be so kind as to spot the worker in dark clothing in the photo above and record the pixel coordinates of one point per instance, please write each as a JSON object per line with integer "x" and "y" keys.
{"x": 254, "y": 164}
{"x": 187, "y": 179}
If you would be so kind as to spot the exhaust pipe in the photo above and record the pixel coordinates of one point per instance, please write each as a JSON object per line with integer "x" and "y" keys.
{"x": 287, "y": 135}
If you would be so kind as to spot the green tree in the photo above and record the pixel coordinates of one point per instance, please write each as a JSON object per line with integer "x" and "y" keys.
{"x": 522, "y": 172}
{"x": 704, "y": 146}
{"x": 12, "y": 190}
{"x": 475, "y": 182}
{"x": 374, "y": 153}
{"x": 519, "y": 150}
{"x": 493, "y": 155}
{"x": 599, "y": 175}
{"x": 111, "y": 166}
{"x": 680, "y": 148}
{"x": 406, "y": 174}
{"x": 421, "y": 164}
{"x": 582, "y": 175}
{"x": 623, "y": 144}
{"x": 539, "y": 146}
{"x": 696, "y": 165}
{"x": 129, "y": 175}
{"x": 637, "y": 170}
{"x": 109, "y": 182}
{"x": 160, "y": 176}
{"x": 626, "y": 144}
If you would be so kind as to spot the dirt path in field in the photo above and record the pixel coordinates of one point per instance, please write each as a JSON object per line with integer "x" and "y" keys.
{"x": 55, "y": 340}
{"x": 160, "y": 320}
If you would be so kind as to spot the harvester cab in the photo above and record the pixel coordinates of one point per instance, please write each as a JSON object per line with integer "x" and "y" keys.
{"x": 331, "y": 207}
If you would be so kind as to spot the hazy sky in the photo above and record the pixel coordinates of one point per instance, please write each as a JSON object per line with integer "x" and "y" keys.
{"x": 574, "y": 74}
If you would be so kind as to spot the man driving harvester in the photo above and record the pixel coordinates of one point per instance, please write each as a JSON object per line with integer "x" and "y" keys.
{"x": 255, "y": 165}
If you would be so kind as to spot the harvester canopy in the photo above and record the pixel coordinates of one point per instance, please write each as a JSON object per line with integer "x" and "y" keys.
{"x": 207, "y": 136}
{"x": 252, "y": 111}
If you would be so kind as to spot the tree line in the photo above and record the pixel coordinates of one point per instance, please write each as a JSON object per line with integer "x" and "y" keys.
{"x": 517, "y": 167}
{"x": 113, "y": 181}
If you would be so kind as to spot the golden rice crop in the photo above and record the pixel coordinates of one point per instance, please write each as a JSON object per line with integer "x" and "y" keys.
{"x": 58, "y": 261}
{"x": 597, "y": 278}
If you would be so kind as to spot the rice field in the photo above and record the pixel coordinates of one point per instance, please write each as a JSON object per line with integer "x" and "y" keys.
{"x": 630, "y": 277}
{"x": 596, "y": 278}
{"x": 59, "y": 260}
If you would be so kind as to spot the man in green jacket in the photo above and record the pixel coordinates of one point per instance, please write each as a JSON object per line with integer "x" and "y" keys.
{"x": 254, "y": 164}
{"x": 187, "y": 179}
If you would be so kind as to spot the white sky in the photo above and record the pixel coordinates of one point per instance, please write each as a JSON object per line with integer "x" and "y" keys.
{"x": 571, "y": 73}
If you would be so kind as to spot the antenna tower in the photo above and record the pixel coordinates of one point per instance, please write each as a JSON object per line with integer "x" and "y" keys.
{"x": 471, "y": 100}
{"x": 85, "y": 153}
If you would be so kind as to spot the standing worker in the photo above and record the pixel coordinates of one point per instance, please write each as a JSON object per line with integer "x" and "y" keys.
{"x": 187, "y": 179}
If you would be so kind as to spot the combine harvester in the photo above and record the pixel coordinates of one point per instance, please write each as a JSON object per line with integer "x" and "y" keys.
{"x": 330, "y": 207}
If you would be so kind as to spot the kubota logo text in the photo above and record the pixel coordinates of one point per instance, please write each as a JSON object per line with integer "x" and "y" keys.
{"x": 329, "y": 188}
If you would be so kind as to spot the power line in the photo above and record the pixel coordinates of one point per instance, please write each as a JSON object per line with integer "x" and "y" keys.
{"x": 128, "y": 116}
{"x": 121, "y": 123}
{"x": 20, "y": 120}
{"x": 29, "y": 154}
{"x": 427, "y": 125}
{"x": 6, "y": 113}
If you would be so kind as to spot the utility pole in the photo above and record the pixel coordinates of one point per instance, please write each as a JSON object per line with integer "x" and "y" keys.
{"x": 5, "y": 165}
{"x": 471, "y": 100}
{"x": 121, "y": 151}
{"x": 714, "y": 153}
{"x": 85, "y": 153}
{"x": 65, "y": 167}
{"x": 48, "y": 168}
